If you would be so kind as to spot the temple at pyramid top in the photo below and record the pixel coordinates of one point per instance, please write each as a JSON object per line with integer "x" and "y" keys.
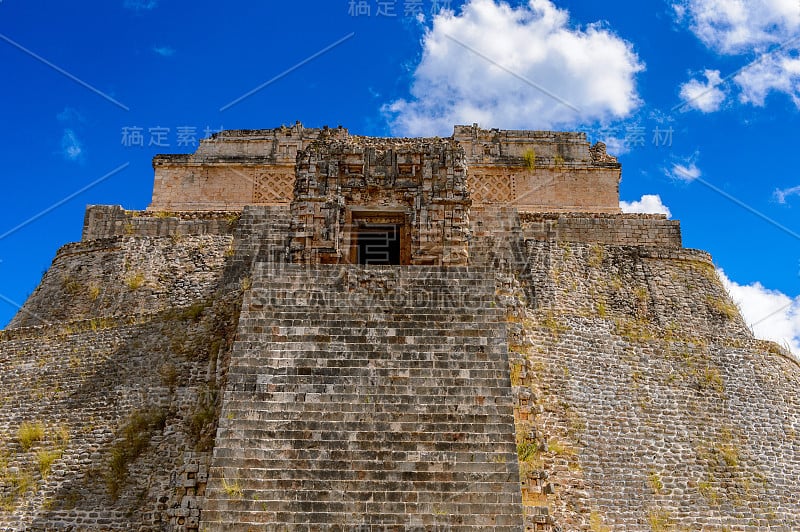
{"x": 535, "y": 171}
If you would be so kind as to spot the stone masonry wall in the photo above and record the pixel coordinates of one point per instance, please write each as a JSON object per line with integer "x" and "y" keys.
{"x": 543, "y": 171}
{"x": 107, "y": 221}
{"x": 643, "y": 401}
{"x": 126, "y": 275}
{"x": 111, "y": 375}
{"x": 647, "y": 230}
{"x": 233, "y": 169}
{"x": 107, "y": 424}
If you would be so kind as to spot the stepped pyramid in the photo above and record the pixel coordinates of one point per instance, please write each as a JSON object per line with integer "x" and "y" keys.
{"x": 312, "y": 330}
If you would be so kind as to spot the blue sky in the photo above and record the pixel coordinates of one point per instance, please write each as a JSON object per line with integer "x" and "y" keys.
{"x": 699, "y": 98}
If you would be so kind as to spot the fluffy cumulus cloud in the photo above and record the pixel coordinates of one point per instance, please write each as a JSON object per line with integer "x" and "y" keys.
{"x": 767, "y": 28}
{"x": 771, "y": 314}
{"x": 740, "y": 26}
{"x": 775, "y": 72}
{"x": 516, "y": 67}
{"x": 648, "y": 204}
{"x": 704, "y": 96}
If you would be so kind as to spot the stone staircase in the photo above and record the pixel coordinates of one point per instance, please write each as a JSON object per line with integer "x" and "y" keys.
{"x": 496, "y": 239}
{"x": 261, "y": 236}
{"x": 367, "y": 398}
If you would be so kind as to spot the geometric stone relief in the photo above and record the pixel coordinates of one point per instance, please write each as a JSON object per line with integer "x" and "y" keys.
{"x": 273, "y": 186}
{"x": 493, "y": 187}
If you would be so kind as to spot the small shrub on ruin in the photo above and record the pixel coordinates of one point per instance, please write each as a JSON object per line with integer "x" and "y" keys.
{"x": 30, "y": 433}
{"x": 529, "y": 158}
{"x": 232, "y": 489}
{"x": 134, "y": 281}
{"x": 659, "y": 520}
{"x": 45, "y": 460}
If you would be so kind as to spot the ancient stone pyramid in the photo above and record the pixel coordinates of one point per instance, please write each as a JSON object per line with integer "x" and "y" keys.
{"x": 310, "y": 330}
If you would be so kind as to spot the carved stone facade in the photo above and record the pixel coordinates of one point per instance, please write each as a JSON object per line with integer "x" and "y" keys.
{"x": 412, "y": 191}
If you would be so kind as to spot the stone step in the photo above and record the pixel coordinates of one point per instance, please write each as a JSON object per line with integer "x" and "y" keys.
{"x": 401, "y": 458}
{"x": 412, "y": 498}
{"x": 341, "y": 476}
{"x": 367, "y": 383}
{"x": 369, "y": 358}
{"x": 490, "y": 406}
{"x": 375, "y": 518}
{"x": 349, "y": 434}
{"x": 259, "y": 417}
{"x": 380, "y": 370}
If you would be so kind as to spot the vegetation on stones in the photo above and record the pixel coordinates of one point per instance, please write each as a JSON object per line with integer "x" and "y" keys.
{"x": 94, "y": 291}
{"x": 596, "y": 523}
{"x": 45, "y": 459}
{"x": 133, "y": 438}
{"x": 659, "y": 520}
{"x": 555, "y": 327}
{"x": 708, "y": 491}
{"x": 169, "y": 374}
{"x": 194, "y": 311}
{"x": 71, "y": 285}
{"x": 232, "y": 489}
{"x": 134, "y": 281}
{"x": 710, "y": 378}
{"x": 516, "y": 373}
{"x": 529, "y": 159}
{"x": 30, "y": 433}
{"x": 722, "y": 307}
{"x": 202, "y": 424}
{"x": 527, "y": 451}
{"x": 596, "y": 255}
{"x": 655, "y": 481}
{"x": 560, "y": 448}
{"x": 19, "y": 483}
{"x": 635, "y": 331}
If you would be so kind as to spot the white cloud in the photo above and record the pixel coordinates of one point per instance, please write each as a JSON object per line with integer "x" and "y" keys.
{"x": 648, "y": 204}
{"x": 140, "y": 5}
{"x": 775, "y": 72}
{"x": 744, "y": 28}
{"x": 684, "y": 172}
{"x": 781, "y": 195}
{"x": 556, "y": 67}
{"x": 164, "y": 51}
{"x": 740, "y": 26}
{"x": 706, "y": 97}
{"x": 71, "y": 147}
{"x": 770, "y": 313}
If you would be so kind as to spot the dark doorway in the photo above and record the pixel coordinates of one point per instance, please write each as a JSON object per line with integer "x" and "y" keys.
{"x": 378, "y": 244}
